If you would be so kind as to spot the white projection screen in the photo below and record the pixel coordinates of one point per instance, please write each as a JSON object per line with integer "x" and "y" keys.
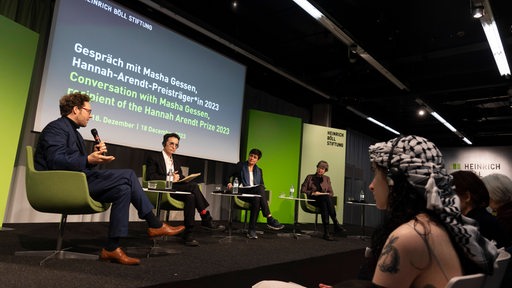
{"x": 144, "y": 81}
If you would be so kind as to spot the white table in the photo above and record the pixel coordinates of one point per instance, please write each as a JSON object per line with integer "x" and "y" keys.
{"x": 296, "y": 213}
{"x": 159, "y": 197}
{"x": 363, "y": 205}
{"x": 230, "y": 220}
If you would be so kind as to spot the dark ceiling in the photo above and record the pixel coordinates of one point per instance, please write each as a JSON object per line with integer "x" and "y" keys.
{"x": 433, "y": 47}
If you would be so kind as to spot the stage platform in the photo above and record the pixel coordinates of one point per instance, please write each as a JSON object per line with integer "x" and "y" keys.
{"x": 240, "y": 262}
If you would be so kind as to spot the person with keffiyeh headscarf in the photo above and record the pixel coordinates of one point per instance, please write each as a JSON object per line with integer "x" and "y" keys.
{"x": 425, "y": 239}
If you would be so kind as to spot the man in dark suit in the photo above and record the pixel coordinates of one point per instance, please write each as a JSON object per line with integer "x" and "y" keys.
{"x": 61, "y": 147}
{"x": 158, "y": 166}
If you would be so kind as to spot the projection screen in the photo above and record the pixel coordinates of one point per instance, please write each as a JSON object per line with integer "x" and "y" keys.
{"x": 144, "y": 81}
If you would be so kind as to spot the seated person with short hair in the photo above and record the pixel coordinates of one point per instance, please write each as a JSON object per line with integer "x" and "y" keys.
{"x": 157, "y": 167}
{"x": 250, "y": 175}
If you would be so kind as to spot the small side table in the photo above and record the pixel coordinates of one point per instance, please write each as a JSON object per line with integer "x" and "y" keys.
{"x": 229, "y": 238}
{"x": 363, "y": 205}
{"x": 296, "y": 235}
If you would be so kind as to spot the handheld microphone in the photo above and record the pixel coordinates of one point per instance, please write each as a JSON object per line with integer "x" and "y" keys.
{"x": 96, "y": 137}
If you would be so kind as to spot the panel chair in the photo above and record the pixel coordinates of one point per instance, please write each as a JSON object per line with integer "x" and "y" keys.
{"x": 167, "y": 202}
{"x": 61, "y": 192}
{"x": 496, "y": 278}
{"x": 312, "y": 209}
{"x": 467, "y": 281}
{"x": 244, "y": 206}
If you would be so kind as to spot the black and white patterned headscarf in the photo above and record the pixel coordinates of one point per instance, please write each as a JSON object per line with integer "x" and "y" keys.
{"x": 422, "y": 164}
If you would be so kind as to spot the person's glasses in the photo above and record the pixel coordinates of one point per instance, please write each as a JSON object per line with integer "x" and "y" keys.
{"x": 173, "y": 144}
{"x": 88, "y": 110}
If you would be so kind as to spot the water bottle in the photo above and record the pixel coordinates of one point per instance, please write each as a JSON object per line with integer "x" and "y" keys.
{"x": 169, "y": 179}
{"x": 292, "y": 191}
{"x": 235, "y": 186}
{"x": 361, "y": 196}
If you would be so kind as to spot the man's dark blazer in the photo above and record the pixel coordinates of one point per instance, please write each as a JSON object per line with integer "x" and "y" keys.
{"x": 61, "y": 147}
{"x": 156, "y": 169}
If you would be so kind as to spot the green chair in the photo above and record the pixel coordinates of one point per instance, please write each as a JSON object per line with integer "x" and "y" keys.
{"x": 312, "y": 209}
{"x": 62, "y": 192}
{"x": 167, "y": 203}
{"x": 244, "y": 206}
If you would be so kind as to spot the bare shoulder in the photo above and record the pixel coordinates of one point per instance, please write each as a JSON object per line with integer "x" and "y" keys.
{"x": 396, "y": 266}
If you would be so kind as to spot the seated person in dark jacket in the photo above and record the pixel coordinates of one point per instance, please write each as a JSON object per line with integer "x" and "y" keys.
{"x": 61, "y": 147}
{"x": 474, "y": 199}
{"x": 158, "y": 166}
{"x": 318, "y": 187}
{"x": 251, "y": 176}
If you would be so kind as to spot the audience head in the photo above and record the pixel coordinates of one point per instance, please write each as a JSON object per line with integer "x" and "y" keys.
{"x": 471, "y": 190}
{"x": 500, "y": 189}
{"x": 403, "y": 166}
{"x": 409, "y": 179}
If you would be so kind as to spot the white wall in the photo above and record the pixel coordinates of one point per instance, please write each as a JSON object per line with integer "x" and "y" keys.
{"x": 482, "y": 160}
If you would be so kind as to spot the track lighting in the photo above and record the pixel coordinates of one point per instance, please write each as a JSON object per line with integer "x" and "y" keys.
{"x": 478, "y": 12}
{"x": 482, "y": 8}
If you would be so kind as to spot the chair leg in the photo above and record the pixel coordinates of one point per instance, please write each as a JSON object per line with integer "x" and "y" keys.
{"x": 58, "y": 253}
{"x": 245, "y": 223}
{"x": 316, "y": 222}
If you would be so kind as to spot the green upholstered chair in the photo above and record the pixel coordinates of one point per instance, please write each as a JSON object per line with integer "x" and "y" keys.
{"x": 312, "y": 209}
{"x": 61, "y": 192}
{"x": 167, "y": 203}
{"x": 244, "y": 206}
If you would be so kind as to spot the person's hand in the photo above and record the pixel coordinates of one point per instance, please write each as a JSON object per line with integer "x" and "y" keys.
{"x": 97, "y": 157}
{"x": 101, "y": 147}
{"x": 230, "y": 186}
{"x": 324, "y": 286}
{"x": 176, "y": 177}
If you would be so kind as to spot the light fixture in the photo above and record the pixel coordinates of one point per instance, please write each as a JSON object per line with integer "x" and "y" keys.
{"x": 493, "y": 36}
{"x": 442, "y": 120}
{"x": 421, "y": 112}
{"x": 340, "y": 34}
{"x": 310, "y": 9}
{"x": 478, "y": 11}
{"x": 234, "y": 47}
{"x": 352, "y": 55}
{"x": 373, "y": 120}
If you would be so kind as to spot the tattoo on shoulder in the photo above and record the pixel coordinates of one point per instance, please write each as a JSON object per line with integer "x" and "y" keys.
{"x": 389, "y": 258}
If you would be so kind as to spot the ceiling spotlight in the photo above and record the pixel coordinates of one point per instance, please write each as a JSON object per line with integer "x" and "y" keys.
{"x": 352, "y": 54}
{"x": 478, "y": 12}
{"x": 421, "y": 112}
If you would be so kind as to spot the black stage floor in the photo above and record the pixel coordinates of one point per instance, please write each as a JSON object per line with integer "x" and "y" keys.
{"x": 240, "y": 262}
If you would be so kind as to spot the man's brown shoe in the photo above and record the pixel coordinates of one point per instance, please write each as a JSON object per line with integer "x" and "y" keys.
{"x": 119, "y": 256}
{"x": 165, "y": 230}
